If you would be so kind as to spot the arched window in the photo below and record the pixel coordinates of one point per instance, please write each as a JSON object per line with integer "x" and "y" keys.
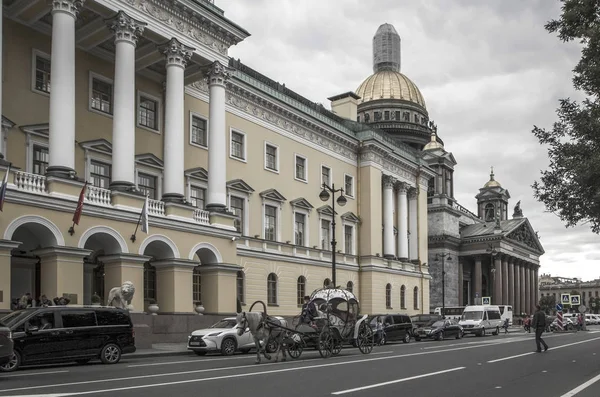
{"x": 240, "y": 286}
{"x": 197, "y": 285}
{"x": 300, "y": 290}
{"x": 403, "y": 297}
{"x": 350, "y": 286}
{"x": 388, "y": 296}
{"x": 489, "y": 212}
{"x": 416, "y": 298}
{"x": 149, "y": 282}
{"x": 272, "y": 289}
{"x": 326, "y": 283}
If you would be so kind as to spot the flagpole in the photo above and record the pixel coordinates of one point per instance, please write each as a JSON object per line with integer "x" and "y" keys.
{"x": 72, "y": 228}
{"x": 132, "y": 238}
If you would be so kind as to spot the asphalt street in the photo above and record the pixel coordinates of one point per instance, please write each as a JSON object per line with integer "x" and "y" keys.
{"x": 504, "y": 365}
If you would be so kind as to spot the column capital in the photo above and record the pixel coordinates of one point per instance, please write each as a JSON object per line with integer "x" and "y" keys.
{"x": 388, "y": 181}
{"x": 126, "y": 28}
{"x": 176, "y": 53}
{"x": 68, "y": 6}
{"x": 412, "y": 193}
{"x": 402, "y": 187}
{"x": 217, "y": 73}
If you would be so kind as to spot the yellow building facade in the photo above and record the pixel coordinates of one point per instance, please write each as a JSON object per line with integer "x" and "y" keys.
{"x": 140, "y": 99}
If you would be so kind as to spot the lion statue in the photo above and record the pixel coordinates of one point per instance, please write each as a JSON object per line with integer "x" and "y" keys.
{"x": 122, "y": 296}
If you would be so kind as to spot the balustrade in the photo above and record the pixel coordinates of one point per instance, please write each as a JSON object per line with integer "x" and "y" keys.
{"x": 28, "y": 182}
{"x": 202, "y": 216}
{"x": 96, "y": 195}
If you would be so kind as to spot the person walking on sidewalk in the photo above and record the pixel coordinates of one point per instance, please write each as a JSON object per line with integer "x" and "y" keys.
{"x": 505, "y": 326}
{"x": 539, "y": 325}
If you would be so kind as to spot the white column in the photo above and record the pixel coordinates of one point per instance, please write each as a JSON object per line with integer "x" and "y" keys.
{"x": 177, "y": 56}
{"x": 402, "y": 215}
{"x": 62, "y": 96}
{"x": 217, "y": 138}
{"x": 413, "y": 240}
{"x": 389, "y": 247}
{"x": 1, "y": 75}
{"x": 127, "y": 30}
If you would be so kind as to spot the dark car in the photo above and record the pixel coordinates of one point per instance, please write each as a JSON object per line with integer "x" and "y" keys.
{"x": 395, "y": 327}
{"x": 439, "y": 330}
{"x": 420, "y": 320}
{"x": 6, "y": 344}
{"x": 53, "y": 334}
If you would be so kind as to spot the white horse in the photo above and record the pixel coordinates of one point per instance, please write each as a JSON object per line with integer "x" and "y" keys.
{"x": 264, "y": 330}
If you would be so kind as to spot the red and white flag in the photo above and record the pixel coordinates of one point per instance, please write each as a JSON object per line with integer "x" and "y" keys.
{"x": 77, "y": 214}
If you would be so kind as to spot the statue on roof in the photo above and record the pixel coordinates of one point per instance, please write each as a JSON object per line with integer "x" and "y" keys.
{"x": 518, "y": 212}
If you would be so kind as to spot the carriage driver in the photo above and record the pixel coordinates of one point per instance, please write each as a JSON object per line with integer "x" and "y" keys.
{"x": 309, "y": 311}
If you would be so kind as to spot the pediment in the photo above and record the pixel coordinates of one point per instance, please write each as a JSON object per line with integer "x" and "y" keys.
{"x": 150, "y": 160}
{"x": 240, "y": 185}
{"x": 97, "y": 145}
{"x": 42, "y": 130}
{"x": 6, "y": 123}
{"x": 272, "y": 194}
{"x": 302, "y": 203}
{"x": 198, "y": 173}
{"x": 350, "y": 217}
{"x": 326, "y": 210}
{"x": 525, "y": 235}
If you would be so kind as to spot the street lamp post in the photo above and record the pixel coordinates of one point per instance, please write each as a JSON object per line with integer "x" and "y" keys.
{"x": 341, "y": 200}
{"x": 437, "y": 257}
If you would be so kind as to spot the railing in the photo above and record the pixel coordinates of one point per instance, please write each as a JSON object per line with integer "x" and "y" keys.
{"x": 32, "y": 183}
{"x": 96, "y": 195}
{"x": 156, "y": 207}
{"x": 202, "y": 217}
{"x": 459, "y": 207}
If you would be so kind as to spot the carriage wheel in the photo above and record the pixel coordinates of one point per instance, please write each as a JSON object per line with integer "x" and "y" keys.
{"x": 365, "y": 338}
{"x": 337, "y": 347}
{"x": 295, "y": 350}
{"x": 325, "y": 343}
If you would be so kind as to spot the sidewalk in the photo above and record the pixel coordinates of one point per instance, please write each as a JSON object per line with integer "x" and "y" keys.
{"x": 162, "y": 350}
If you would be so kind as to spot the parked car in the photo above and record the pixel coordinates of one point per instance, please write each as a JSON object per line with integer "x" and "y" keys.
{"x": 222, "y": 337}
{"x": 420, "y": 320}
{"x": 439, "y": 330}
{"x": 53, "y": 334}
{"x": 6, "y": 344}
{"x": 395, "y": 327}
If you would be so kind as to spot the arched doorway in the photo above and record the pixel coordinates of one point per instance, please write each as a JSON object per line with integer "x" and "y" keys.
{"x": 205, "y": 283}
{"x": 158, "y": 286}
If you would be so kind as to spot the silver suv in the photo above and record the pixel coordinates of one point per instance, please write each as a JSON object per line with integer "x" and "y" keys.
{"x": 6, "y": 345}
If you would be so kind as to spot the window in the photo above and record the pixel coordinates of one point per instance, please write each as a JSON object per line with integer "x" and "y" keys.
{"x": 42, "y": 73}
{"x": 325, "y": 228}
{"x": 236, "y": 205}
{"x": 271, "y": 158}
{"x": 76, "y": 319}
{"x": 197, "y": 197}
{"x": 238, "y": 146}
{"x": 272, "y": 289}
{"x": 489, "y": 212}
{"x": 388, "y": 296}
{"x": 270, "y": 223}
{"x": 148, "y": 112}
{"x": 147, "y": 185}
{"x": 397, "y": 115}
{"x": 416, "y": 298}
{"x": 198, "y": 134}
{"x": 349, "y": 286}
{"x": 197, "y": 285}
{"x": 367, "y": 117}
{"x": 102, "y": 92}
{"x": 301, "y": 168}
{"x": 299, "y": 228}
{"x": 403, "y": 297}
{"x": 325, "y": 175}
{"x": 386, "y": 115}
{"x": 300, "y": 290}
{"x": 349, "y": 239}
{"x": 416, "y": 118}
{"x": 40, "y": 159}
{"x": 240, "y": 286}
{"x": 149, "y": 281}
{"x": 100, "y": 174}
{"x": 109, "y": 317}
{"x": 349, "y": 185}
{"x": 42, "y": 321}
{"x": 377, "y": 116}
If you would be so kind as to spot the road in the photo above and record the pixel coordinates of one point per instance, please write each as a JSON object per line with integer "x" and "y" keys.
{"x": 504, "y": 365}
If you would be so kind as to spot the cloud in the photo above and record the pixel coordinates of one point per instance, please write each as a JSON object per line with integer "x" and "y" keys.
{"x": 488, "y": 71}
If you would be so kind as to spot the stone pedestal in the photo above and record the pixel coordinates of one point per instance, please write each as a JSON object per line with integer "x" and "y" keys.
{"x": 174, "y": 278}
{"x": 125, "y": 267}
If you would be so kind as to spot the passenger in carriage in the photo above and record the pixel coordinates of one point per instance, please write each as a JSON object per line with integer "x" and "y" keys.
{"x": 309, "y": 311}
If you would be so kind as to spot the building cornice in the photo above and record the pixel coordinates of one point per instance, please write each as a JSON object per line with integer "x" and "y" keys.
{"x": 373, "y": 153}
{"x": 252, "y": 253}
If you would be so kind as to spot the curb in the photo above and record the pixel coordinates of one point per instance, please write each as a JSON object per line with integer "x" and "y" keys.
{"x": 159, "y": 354}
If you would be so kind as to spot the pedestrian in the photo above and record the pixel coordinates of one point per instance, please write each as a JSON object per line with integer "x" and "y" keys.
{"x": 539, "y": 324}
{"x": 379, "y": 331}
{"x": 505, "y": 326}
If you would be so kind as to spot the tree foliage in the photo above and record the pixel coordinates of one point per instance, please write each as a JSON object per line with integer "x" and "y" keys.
{"x": 548, "y": 303}
{"x": 570, "y": 188}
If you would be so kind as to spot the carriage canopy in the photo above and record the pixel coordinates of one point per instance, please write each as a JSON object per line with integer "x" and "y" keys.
{"x": 338, "y": 302}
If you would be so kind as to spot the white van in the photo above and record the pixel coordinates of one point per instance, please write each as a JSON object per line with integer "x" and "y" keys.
{"x": 481, "y": 319}
{"x": 506, "y": 312}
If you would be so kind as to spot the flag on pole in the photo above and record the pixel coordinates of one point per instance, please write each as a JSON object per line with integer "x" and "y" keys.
{"x": 3, "y": 188}
{"x": 77, "y": 214}
{"x": 144, "y": 217}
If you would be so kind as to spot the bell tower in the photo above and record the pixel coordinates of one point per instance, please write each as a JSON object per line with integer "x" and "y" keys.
{"x": 492, "y": 200}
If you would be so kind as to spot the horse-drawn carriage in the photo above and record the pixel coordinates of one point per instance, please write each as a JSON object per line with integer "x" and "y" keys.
{"x": 337, "y": 322}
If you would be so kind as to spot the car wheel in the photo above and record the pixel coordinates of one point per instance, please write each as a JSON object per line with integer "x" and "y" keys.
{"x": 13, "y": 364}
{"x": 406, "y": 338}
{"x": 460, "y": 334}
{"x": 198, "y": 353}
{"x": 497, "y": 332}
{"x": 110, "y": 354}
{"x": 482, "y": 333}
{"x": 440, "y": 336}
{"x": 228, "y": 347}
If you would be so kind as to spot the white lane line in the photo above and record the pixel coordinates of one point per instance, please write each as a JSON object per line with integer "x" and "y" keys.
{"x": 32, "y": 374}
{"x": 582, "y": 387}
{"x": 391, "y": 382}
{"x": 552, "y": 348}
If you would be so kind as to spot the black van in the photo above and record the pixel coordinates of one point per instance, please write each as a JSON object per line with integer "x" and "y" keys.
{"x": 395, "y": 327}
{"x": 53, "y": 334}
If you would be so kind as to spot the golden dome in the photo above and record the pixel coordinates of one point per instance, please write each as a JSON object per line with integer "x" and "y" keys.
{"x": 388, "y": 84}
{"x": 492, "y": 182}
{"x": 433, "y": 144}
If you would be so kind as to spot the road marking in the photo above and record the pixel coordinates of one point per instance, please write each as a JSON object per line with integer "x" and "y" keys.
{"x": 554, "y": 348}
{"x": 32, "y": 374}
{"x": 397, "y": 381}
{"x": 582, "y": 387}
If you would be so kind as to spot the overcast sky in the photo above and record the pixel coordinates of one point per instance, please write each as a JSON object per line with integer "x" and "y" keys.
{"x": 488, "y": 71}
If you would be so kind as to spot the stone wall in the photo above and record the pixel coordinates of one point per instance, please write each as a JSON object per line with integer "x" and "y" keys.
{"x": 452, "y": 287}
